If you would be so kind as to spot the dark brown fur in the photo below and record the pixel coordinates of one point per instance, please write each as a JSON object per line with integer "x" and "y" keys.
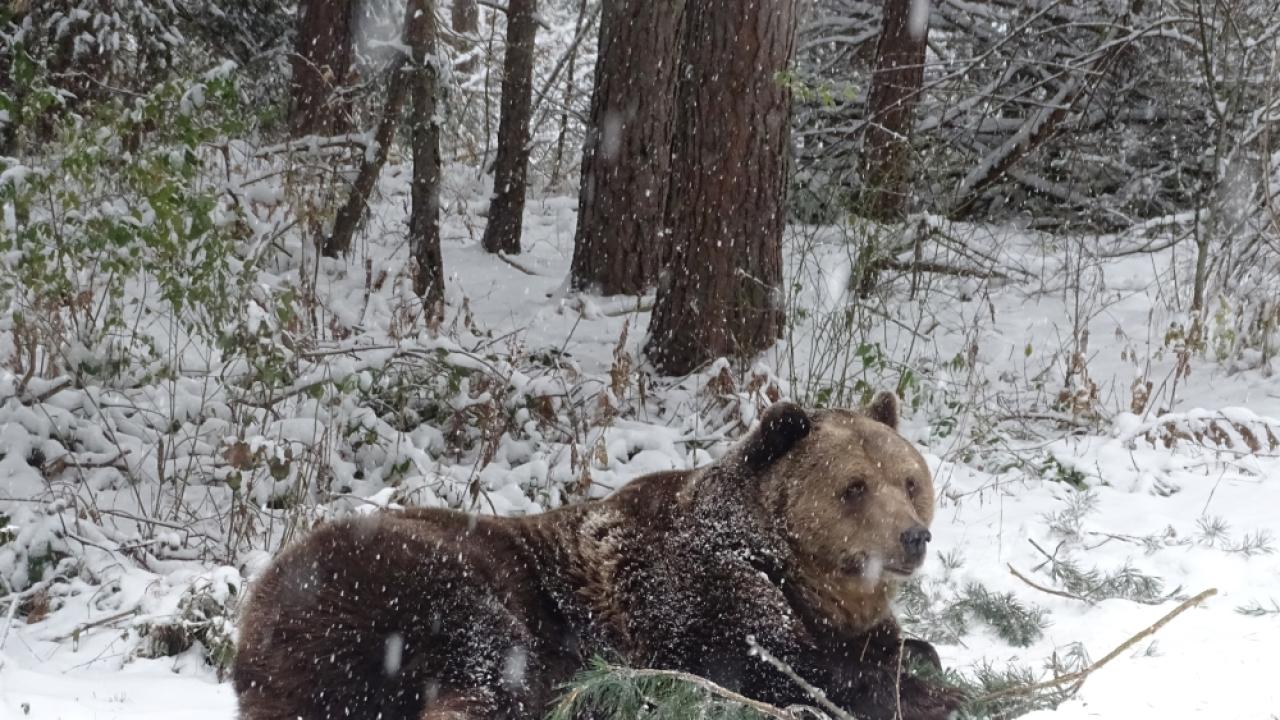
{"x": 435, "y": 614}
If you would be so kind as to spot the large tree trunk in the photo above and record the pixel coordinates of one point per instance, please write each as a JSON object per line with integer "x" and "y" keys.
{"x": 321, "y": 64}
{"x": 726, "y": 206}
{"x": 424, "y": 218}
{"x": 506, "y": 207}
{"x": 895, "y": 90}
{"x": 627, "y": 157}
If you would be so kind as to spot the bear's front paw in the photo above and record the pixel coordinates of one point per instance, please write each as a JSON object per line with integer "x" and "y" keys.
{"x": 933, "y": 703}
{"x": 920, "y": 652}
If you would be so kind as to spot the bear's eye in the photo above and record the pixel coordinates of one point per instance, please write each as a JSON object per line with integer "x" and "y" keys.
{"x": 854, "y": 491}
{"x": 912, "y": 488}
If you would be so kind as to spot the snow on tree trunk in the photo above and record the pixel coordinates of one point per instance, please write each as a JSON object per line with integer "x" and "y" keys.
{"x": 627, "y": 156}
{"x": 726, "y": 209}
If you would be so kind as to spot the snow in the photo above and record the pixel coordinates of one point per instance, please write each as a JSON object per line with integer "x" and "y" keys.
{"x": 992, "y": 358}
{"x": 154, "y": 691}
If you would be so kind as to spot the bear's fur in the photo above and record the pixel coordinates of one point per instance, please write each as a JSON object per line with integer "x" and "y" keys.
{"x": 795, "y": 539}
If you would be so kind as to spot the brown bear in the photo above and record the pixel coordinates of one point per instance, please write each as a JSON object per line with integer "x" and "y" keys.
{"x": 794, "y": 540}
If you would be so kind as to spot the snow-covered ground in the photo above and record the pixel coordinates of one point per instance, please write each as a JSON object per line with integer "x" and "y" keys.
{"x": 1191, "y": 496}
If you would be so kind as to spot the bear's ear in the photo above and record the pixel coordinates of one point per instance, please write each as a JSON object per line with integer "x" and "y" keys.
{"x": 884, "y": 408}
{"x": 783, "y": 425}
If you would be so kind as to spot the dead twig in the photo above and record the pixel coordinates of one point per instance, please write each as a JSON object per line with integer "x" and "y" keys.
{"x": 1078, "y": 677}
{"x": 1051, "y": 558}
{"x": 97, "y": 623}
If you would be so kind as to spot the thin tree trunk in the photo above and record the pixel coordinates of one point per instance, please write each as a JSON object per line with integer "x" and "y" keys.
{"x": 9, "y": 128}
{"x": 321, "y": 65}
{"x": 726, "y": 206}
{"x": 424, "y": 218}
{"x": 558, "y": 164}
{"x": 1204, "y": 232}
{"x": 895, "y": 89}
{"x": 506, "y": 207}
{"x": 626, "y": 164}
{"x": 465, "y": 17}
{"x": 352, "y": 212}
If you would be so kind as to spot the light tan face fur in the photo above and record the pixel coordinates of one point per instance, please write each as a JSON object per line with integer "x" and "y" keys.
{"x": 854, "y": 486}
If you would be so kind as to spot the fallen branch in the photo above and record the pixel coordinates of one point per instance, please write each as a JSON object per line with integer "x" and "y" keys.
{"x": 75, "y": 634}
{"x": 642, "y": 306}
{"x": 937, "y": 268}
{"x": 814, "y": 692}
{"x": 1042, "y": 588}
{"x": 503, "y": 257}
{"x": 1078, "y": 677}
{"x": 1071, "y": 422}
{"x": 700, "y": 682}
{"x": 311, "y": 143}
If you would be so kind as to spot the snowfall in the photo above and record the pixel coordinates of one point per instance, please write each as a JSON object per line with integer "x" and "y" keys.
{"x": 1184, "y": 485}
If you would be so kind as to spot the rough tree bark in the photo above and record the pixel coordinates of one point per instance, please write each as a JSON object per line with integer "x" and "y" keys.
{"x": 895, "y": 90}
{"x": 726, "y": 203}
{"x": 321, "y": 64}
{"x": 424, "y": 218}
{"x": 506, "y": 207}
{"x": 627, "y": 155}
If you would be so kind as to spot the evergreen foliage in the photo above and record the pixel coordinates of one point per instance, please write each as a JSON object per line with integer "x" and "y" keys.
{"x": 610, "y": 692}
{"x": 1069, "y": 521}
{"x": 945, "y": 616}
{"x": 1257, "y": 608}
{"x": 1015, "y": 622}
{"x": 1094, "y": 585}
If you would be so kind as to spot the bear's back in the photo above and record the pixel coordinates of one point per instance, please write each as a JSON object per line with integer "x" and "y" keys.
{"x": 372, "y": 616}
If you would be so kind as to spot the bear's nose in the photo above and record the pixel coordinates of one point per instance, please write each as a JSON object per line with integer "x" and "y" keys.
{"x": 914, "y": 541}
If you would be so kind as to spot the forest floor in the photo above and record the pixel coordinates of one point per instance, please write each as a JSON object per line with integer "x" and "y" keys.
{"x": 1019, "y": 390}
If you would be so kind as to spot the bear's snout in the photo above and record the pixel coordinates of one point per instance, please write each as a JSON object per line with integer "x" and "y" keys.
{"x": 915, "y": 541}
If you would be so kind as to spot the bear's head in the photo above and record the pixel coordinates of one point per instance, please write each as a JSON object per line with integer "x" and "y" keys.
{"x": 853, "y": 499}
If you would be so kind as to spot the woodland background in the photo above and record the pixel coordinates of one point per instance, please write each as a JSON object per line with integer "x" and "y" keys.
{"x": 263, "y": 263}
